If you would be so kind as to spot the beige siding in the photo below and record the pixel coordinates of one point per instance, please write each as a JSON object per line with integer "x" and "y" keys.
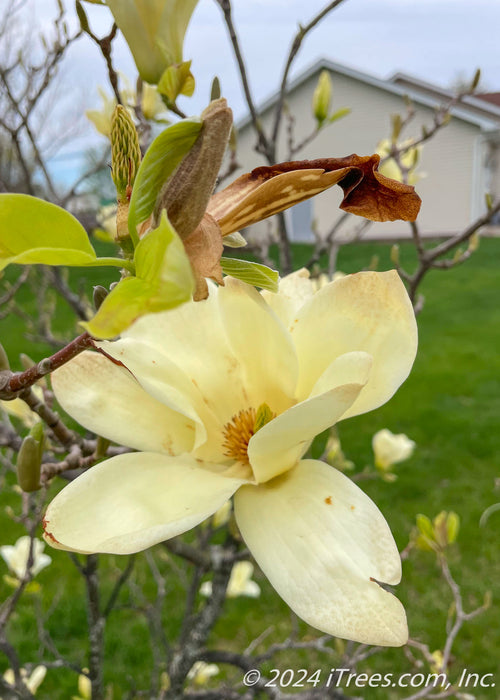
{"x": 450, "y": 160}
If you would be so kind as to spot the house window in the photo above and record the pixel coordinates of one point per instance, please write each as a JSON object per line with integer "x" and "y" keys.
{"x": 299, "y": 220}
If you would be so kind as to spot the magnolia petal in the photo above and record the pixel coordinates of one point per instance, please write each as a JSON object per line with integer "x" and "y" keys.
{"x": 368, "y": 312}
{"x": 193, "y": 336}
{"x": 163, "y": 380}
{"x": 262, "y": 345}
{"x": 346, "y": 369}
{"x": 133, "y": 501}
{"x": 294, "y": 290}
{"x": 277, "y": 446}
{"x": 105, "y": 398}
{"x": 323, "y": 544}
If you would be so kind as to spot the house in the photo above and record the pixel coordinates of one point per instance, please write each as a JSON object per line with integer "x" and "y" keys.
{"x": 461, "y": 162}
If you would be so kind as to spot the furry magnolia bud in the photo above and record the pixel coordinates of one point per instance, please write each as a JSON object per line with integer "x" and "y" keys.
{"x": 186, "y": 194}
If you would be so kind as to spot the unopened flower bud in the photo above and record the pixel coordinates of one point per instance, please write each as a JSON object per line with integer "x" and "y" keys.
{"x": 4, "y": 360}
{"x": 100, "y": 293}
{"x": 322, "y": 97}
{"x": 26, "y": 361}
{"x": 438, "y": 534}
{"x": 395, "y": 254}
{"x": 29, "y": 459}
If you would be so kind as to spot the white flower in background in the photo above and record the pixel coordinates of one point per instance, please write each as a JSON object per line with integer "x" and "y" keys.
{"x": 391, "y": 449}
{"x": 101, "y": 118}
{"x": 151, "y": 104}
{"x": 201, "y": 672}
{"x": 409, "y": 159}
{"x": 323, "y": 279}
{"x": 106, "y": 218}
{"x": 224, "y": 397}
{"x": 221, "y": 517}
{"x": 20, "y": 409}
{"x": 84, "y": 687}
{"x": 32, "y": 680}
{"x": 16, "y": 556}
{"x": 240, "y": 582}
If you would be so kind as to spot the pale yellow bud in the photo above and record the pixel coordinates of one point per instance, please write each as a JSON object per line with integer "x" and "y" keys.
{"x": 322, "y": 97}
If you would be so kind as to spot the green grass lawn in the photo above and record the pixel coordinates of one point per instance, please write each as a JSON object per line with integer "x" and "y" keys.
{"x": 449, "y": 405}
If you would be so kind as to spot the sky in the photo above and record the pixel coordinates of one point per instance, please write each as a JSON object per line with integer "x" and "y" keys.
{"x": 435, "y": 40}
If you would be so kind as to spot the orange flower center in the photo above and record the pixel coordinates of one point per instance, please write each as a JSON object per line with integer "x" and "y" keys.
{"x": 237, "y": 434}
{"x": 239, "y": 430}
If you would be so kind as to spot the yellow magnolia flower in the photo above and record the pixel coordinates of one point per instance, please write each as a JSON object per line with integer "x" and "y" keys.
{"x": 16, "y": 556}
{"x": 32, "y": 681}
{"x": 151, "y": 104}
{"x": 391, "y": 449}
{"x": 101, "y": 118}
{"x": 240, "y": 582}
{"x": 409, "y": 159}
{"x": 154, "y": 31}
{"x": 201, "y": 672}
{"x": 223, "y": 397}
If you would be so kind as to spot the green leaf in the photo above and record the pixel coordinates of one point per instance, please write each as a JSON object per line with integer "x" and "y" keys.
{"x": 252, "y": 273}
{"x": 177, "y": 80}
{"x": 161, "y": 159}
{"x": 33, "y": 231}
{"x": 339, "y": 114}
{"x": 164, "y": 280}
{"x": 452, "y": 526}
{"x": 123, "y": 305}
{"x": 160, "y": 257}
{"x": 425, "y": 526}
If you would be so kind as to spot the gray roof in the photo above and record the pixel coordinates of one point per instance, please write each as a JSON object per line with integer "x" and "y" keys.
{"x": 472, "y": 103}
{"x": 472, "y": 110}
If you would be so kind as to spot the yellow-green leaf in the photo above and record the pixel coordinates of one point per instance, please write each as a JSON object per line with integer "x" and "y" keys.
{"x": 177, "y": 80}
{"x": 425, "y": 526}
{"x": 33, "y": 231}
{"x": 123, "y": 305}
{"x": 164, "y": 280}
{"x": 160, "y": 258}
{"x": 252, "y": 273}
{"x": 452, "y": 526}
{"x": 161, "y": 159}
{"x": 339, "y": 114}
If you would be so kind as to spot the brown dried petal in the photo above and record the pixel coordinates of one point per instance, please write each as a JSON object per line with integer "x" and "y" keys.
{"x": 270, "y": 189}
{"x": 250, "y": 199}
{"x": 204, "y": 248}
